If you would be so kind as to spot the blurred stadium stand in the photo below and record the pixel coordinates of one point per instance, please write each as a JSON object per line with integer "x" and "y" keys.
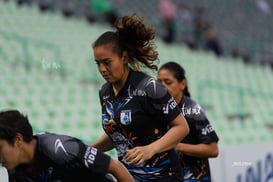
{"x": 47, "y": 70}
{"x": 244, "y": 28}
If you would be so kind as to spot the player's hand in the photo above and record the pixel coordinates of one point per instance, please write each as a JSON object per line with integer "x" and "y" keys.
{"x": 138, "y": 155}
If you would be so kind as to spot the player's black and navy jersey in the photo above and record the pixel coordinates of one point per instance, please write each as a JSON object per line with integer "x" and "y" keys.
{"x": 138, "y": 116}
{"x": 201, "y": 131}
{"x": 60, "y": 158}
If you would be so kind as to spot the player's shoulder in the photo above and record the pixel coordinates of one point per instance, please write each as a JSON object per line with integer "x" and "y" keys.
{"x": 48, "y": 142}
{"x": 153, "y": 88}
{"x": 105, "y": 88}
{"x": 57, "y": 147}
{"x": 192, "y": 109}
{"x": 189, "y": 101}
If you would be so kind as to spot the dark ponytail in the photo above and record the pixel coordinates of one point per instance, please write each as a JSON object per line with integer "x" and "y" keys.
{"x": 135, "y": 37}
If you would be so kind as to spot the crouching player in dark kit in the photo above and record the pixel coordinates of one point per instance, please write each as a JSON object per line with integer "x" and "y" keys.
{"x": 49, "y": 157}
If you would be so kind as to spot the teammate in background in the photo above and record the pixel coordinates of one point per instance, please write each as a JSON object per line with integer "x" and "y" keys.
{"x": 167, "y": 10}
{"x": 139, "y": 116}
{"x": 48, "y": 157}
{"x": 201, "y": 143}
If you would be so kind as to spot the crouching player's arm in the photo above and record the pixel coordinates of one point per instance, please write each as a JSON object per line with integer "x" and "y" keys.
{"x": 117, "y": 169}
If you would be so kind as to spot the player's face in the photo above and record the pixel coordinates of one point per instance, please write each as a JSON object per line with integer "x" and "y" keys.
{"x": 9, "y": 154}
{"x": 175, "y": 87}
{"x": 112, "y": 67}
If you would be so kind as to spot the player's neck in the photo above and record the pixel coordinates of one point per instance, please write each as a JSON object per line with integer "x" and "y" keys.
{"x": 28, "y": 150}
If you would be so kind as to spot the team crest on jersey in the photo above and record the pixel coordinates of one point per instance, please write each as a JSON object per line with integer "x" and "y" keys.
{"x": 125, "y": 117}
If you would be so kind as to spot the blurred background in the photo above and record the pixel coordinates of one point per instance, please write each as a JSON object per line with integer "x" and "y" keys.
{"x": 226, "y": 47}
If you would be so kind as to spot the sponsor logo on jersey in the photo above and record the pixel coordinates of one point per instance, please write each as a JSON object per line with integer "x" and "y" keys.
{"x": 90, "y": 156}
{"x": 171, "y": 104}
{"x": 125, "y": 117}
{"x": 208, "y": 129}
{"x": 59, "y": 146}
{"x": 136, "y": 92}
{"x": 196, "y": 109}
{"x": 166, "y": 109}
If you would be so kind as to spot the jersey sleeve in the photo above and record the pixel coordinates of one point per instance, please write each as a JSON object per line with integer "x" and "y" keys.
{"x": 72, "y": 153}
{"x": 95, "y": 160}
{"x": 202, "y": 128}
{"x": 161, "y": 100}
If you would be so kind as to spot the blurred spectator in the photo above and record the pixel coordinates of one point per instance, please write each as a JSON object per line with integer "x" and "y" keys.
{"x": 105, "y": 11}
{"x": 22, "y": 2}
{"x": 88, "y": 12}
{"x": 111, "y": 16}
{"x": 44, "y": 5}
{"x": 199, "y": 28}
{"x": 264, "y": 58}
{"x": 212, "y": 39}
{"x": 89, "y": 15}
{"x": 263, "y": 6}
{"x": 168, "y": 12}
{"x": 184, "y": 14}
{"x": 68, "y": 8}
{"x": 241, "y": 53}
{"x": 184, "y": 21}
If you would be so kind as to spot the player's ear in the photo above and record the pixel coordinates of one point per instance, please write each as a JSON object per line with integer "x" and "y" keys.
{"x": 19, "y": 139}
{"x": 125, "y": 57}
{"x": 183, "y": 84}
